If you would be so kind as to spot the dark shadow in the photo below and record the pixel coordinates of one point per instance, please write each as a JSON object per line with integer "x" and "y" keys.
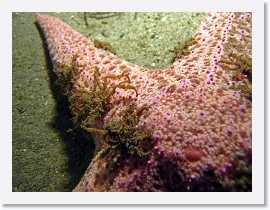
{"x": 79, "y": 146}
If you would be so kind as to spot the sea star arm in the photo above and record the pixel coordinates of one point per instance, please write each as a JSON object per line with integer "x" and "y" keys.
{"x": 184, "y": 128}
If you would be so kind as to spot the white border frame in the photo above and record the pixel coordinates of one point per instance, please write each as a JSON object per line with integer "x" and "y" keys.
{"x": 257, "y": 196}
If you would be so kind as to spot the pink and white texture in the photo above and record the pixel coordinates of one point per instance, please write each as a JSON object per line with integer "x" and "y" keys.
{"x": 202, "y": 129}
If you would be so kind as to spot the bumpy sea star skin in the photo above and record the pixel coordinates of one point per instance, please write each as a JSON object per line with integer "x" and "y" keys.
{"x": 184, "y": 128}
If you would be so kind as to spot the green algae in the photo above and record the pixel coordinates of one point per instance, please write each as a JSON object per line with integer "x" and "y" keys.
{"x": 237, "y": 60}
{"x": 125, "y": 137}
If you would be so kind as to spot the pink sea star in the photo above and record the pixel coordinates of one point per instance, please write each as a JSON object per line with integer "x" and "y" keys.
{"x": 184, "y": 128}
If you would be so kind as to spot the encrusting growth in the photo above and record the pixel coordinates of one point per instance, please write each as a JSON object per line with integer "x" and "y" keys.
{"x": 185, "y": 128}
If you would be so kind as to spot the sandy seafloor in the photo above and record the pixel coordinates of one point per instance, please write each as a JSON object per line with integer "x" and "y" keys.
{"x": 45, "y": 157}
